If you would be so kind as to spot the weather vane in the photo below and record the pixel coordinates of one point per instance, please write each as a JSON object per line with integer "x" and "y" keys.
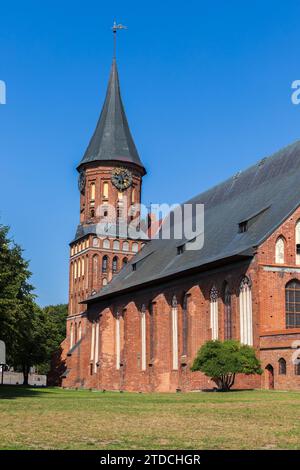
{"x": 115, "y": 28}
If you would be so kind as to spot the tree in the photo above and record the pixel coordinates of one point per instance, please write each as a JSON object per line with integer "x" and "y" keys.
{"x": 16, "y": 295}
{"x": 55, "y": 320}
{"x": 31, "y": 334}
{"x": 221, "y": 361}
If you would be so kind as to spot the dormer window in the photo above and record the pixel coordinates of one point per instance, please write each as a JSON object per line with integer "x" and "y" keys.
{"x": 180, "y": 249}
{"x": 243, "y": 226}
{"x": 134, "y": 267}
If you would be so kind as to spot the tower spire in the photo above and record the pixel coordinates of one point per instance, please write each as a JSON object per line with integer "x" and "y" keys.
{"x": 112, "y": 139}
{"x": 115, "y": 28}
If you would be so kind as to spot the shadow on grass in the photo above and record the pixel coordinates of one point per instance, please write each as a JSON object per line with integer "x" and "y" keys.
{"x": 10, "y": 392}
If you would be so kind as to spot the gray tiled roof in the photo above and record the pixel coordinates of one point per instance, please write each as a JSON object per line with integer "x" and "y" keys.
{"x": 267, "y": 193}
{"x": 112, "y": 140}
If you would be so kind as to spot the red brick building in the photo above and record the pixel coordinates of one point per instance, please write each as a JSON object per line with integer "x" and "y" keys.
{"x": 139, "y": 310}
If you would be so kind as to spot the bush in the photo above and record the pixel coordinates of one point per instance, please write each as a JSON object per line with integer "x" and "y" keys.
{"x": 221, "y": 361}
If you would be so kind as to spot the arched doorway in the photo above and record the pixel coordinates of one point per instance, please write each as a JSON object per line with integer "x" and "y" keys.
{"x": 269, "y": 377}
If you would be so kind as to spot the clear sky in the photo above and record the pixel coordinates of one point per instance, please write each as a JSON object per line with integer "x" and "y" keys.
{"x": 206, "y": 87}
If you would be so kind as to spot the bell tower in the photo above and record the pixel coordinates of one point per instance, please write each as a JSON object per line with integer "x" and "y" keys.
{"x": 110, "y": 183}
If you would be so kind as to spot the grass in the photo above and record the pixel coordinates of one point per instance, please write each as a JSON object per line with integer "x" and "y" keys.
{"x": 65, "y": 419}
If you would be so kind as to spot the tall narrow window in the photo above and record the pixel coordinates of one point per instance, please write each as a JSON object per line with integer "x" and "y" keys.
{"x": 214, "y": 314}
{"x": 118, "y": 346}
{"x": 75, "y": 334}
{"x": 297, "y": 238}
{"x": 79, "y": 268}
{"x": 75, "y": 270}
{"x": 96, "y": 347}
{"x": 120, "y": 196}
{"x": 279, "y": 251}
{"x": 125, "y": 261}
{"x": 151, "y": 318}
{"x": 282, "y": 366}
{"x": 292, "y": 304}
{"x": 143, "y": 337}
{"x": 105, "y": 190}
{"x": 87, "y": 272}
{"x": 185, "y": 325}
{"x": 115, "y": 264}
{"x": 71, "y": 336}
{"x": 92, "y": 194}
{"x": 79, "y": 331}
{"x": 104, "y": 264}
{"x": 95, "y": 271}
{"x": 246, "y": 327}
{"x": 92, "y": 355}
{"x": 133, "y": 196}
{"x": 82, "y": 267}
{"x": 71, "y": 276}
{"x": 227, "y": 313}
{"x": 174, "y": 333}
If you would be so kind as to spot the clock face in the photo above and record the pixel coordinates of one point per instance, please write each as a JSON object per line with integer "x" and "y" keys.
{"x": 81, "y": 181}
{"x": 121, "y": 178}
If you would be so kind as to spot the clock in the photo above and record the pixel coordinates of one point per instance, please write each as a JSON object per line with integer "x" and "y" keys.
{"x": 121, "y": 178}
{"x": 81, "y": 181}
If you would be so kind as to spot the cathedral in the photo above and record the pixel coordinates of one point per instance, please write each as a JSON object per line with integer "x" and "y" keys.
{"x": 140, "y": 309}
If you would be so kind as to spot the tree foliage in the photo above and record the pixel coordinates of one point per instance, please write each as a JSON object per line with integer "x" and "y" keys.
{"x": 31, "y": 334}
{"x": 221, "y": 361}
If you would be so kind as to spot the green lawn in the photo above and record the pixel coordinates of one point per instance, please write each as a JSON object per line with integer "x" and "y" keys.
{"x": 64, "y": 419}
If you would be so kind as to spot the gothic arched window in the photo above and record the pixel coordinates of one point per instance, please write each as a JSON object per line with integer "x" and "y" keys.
{"x": 292, "y": 304}
{"x": 214, "y": 314}
{"x": 125, "y": 261}
{"x": 143, "y": 338}
{"x": 227, "y": 313}
{"x": 174, "y": 333}
{"x": 185, "y": 325}
{"x": 279, "y": 250}
{"x": 282, "y": 366}
{"x": 246, "y": 327}
{"x": 104, "y": 263}
{"x": 115, "y": 264}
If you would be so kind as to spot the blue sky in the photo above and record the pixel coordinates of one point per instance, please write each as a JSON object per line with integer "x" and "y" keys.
{"x": 206, "y": 86}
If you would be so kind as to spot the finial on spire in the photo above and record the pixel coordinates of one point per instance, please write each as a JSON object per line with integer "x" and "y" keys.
{"x": 115, "y": 28}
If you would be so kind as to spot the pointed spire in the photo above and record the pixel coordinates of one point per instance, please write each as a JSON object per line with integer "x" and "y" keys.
{"x": 112, "y": 140}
